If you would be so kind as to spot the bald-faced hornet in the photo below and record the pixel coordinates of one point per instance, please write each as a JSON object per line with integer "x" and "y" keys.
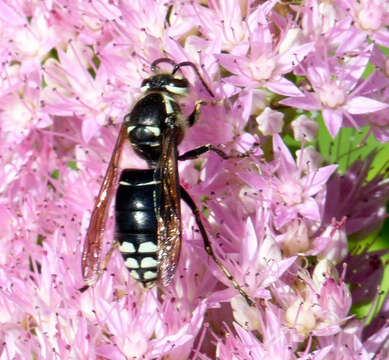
{"x": 147, "y": 207}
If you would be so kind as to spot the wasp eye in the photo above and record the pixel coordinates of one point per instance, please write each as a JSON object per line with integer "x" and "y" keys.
{"x": 145, "y": 86}
{"x": 177, "y": 86}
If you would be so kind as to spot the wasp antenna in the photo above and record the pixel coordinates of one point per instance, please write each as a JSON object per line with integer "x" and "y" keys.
{"x": 168, "y": 14}
{"x": 154, "y": 64}
{"x": 196, "y": 70}
{"x": 83, "y": 289}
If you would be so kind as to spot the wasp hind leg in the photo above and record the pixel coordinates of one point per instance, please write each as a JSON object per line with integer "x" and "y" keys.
{"x": 208, "y": 248}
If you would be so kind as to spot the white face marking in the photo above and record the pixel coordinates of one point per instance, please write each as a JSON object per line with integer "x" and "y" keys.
{"x": 177, "y": 90}
{"x": 148, "y": 262}
{"x": 130, "y": 128}
{"x": 132, "y": 263}
{"x": 156, "y": 131}
{"x": 148, "y": 275}
{"x": 143, "y": 89}
{"x": 134, "y": 274}
{"x": 147, "y": 247}
{"x": 127, "y": 247}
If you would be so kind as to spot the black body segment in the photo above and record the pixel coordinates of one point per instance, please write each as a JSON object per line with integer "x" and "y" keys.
{"x": 147, "y": 121}
{"x": 136, "y": 223}
{"x": 144, "y": 124}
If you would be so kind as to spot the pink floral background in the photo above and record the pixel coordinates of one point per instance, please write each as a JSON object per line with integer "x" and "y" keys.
{"x": 279, "y": 220}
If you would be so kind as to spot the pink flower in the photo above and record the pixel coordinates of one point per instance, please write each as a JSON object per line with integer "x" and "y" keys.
{"x": 362, "y": 203}
{"x": 335, "y": 91}
{"x": 76, "y": 92}
{"x": 28, "y": 41}
{"x": 365, "y": 271}
{"x": 266, "y": 62}
{"x": 371, "y": 17}
{"x": 277, "y": 218}
{"x": 304, "y": 128}
{"x": 309, "y": 158}
{"x": 297, "y": 191}
{"x": 322, "y": 303}
{"x": 245, "y": 345}
{"x": 378, "y": 86}
{"x": 21, "y": 112}
{"x": 270, "y": 122}
{"x": 332, "y": 242}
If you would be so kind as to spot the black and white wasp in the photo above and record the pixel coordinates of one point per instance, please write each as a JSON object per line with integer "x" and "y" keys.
{"x": 147, "y": 206}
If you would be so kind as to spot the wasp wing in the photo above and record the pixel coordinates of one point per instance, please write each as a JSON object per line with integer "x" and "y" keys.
{"x": 91, "y": 253}
{"x": 168, "y": 211}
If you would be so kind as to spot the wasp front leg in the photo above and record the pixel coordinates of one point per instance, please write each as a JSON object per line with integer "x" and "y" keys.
{"x": 195, "y": 153}
{"x": 194, "y": 115}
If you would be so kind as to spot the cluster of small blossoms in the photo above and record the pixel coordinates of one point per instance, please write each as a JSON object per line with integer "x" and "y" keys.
{"x": 279, "y": 220}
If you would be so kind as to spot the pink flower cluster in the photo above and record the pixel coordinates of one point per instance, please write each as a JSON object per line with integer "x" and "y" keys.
{"x": 279, "y": 222}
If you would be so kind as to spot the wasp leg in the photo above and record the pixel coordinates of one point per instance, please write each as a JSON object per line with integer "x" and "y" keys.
{"x": 103, "y": 266}
{"x": 192, "y": 118}
{"x": 208, "y": 248}
{"x": 195, "y": 153}
{"x": 196, "y": 70}
{"x": 167, "y": 17}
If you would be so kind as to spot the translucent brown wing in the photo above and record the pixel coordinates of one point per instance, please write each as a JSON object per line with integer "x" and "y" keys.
{"x": 91, "y": 254}
{"x": 168, "y": 212}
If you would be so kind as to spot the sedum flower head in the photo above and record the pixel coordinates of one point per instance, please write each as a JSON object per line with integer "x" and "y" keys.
{"x": 280, "y": 218}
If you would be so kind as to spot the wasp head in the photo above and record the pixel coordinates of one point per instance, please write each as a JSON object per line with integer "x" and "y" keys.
{"x": 173, "y": 84}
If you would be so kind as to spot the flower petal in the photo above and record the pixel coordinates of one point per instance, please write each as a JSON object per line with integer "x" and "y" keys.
{"x": 364, "y": 105}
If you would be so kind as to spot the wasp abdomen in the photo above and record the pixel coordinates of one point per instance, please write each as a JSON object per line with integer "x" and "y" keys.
{"x": 136, "y": 224}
